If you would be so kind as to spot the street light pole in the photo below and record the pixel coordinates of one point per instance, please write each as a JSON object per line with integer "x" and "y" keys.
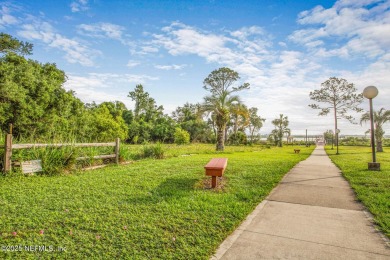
{"x": 372, "y": 133}
{"x": 371, "y": 92}
{"x": 337, "y": 140}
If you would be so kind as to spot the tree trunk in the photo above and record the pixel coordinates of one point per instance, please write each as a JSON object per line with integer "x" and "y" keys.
{"x": 280, "y": 141}
{"x": 225, "y": 134}
{"x": 220, "y": 138}
{"x": 379, "y": 147}
{"x": 251, "y": 135}
{"x": 335, "y": 128}
{"x": 235, "y": 125}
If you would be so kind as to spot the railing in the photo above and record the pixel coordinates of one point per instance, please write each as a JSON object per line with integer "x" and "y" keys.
{"x": 8, "y": 147}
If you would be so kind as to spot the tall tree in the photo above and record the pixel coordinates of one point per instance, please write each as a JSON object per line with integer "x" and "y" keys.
{"x": 189, "y": 117}
{"x": 340, "y": 96}
{"x": 30, "y": 95}
{"x": 11, "y": 44}
{"x": 149, "y": 123}
{"x": 145, "y": 106}
{"x": 380, "y": 118}
{"x": 219, "y": 83}
{"x": 107, "y": 126}
{"x": 187, "y": 112}
{"x": 281, "y": 128}
{"x": 255, "y": 122}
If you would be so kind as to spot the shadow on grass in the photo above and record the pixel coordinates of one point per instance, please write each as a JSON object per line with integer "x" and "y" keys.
{"x": 170, "y": 189}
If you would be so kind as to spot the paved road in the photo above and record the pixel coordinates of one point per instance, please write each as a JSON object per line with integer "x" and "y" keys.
{"x": 311, "y": 214}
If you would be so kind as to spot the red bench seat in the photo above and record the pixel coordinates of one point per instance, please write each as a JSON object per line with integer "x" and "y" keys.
{"x": 216, "y": 168}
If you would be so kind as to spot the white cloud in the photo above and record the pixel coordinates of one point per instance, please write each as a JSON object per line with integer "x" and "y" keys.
{"x": 358, "y": 27}
{"x": 149, "y": 49}
{"x": 79, "y": 5}
{"x": 106, "y": 31}
{"x": 102, "y": 30}
{"x": 181, "y": 39}
{"x": 105, "y": 80}
{"x": 76, "y": 52}
{"x": 132, "y": 63}
{"x": 170, "y": 67}
{"x": 282, "y": 44}
{"x": 244, "y": 50}
{"x": 6, "y": 18}
{"x": 246, "y": 32}
{"x": 100, "y": 87}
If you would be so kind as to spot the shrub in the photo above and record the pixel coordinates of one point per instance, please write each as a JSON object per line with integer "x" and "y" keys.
{"x": 181, "y": 136}
{"x": 153, "y": 151}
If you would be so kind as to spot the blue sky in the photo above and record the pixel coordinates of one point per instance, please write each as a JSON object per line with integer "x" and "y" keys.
{"x": 284, "y": 49}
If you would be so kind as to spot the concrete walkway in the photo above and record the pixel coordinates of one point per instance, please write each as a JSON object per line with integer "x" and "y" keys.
{"x": 311, "y": 214}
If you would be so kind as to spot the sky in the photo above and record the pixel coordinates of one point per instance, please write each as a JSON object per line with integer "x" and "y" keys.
{"x": 283, "y": 48}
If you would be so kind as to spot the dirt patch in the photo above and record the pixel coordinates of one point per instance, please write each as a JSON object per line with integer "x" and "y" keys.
{"x": 205, "y": 184}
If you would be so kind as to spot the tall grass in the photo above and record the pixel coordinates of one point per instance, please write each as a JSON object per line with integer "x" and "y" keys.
{"x": 57, "y": 160}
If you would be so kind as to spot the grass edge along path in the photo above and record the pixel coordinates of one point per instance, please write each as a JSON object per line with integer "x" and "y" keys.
{"x": 151, "y": 209}
{"x": 372, "y": 188}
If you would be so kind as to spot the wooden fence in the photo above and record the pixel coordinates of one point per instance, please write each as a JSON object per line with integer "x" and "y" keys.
{"x": 7, "y": 163}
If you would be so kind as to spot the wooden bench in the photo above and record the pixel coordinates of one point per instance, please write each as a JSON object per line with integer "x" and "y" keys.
{"x": 215, "y": 168}
{"x": 297, "y": 150}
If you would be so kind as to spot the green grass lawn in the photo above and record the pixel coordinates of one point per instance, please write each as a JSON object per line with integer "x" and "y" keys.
{"x": 150, "y": 209}
{"x": 371, "y": 187}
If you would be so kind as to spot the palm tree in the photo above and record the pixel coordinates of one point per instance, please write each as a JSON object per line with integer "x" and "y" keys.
{"x": 380, "y": 118}
{"x": 220, "y": 84}
{"x": 240, "y": 116}
{"x": 219, "y": 107}
{"x": 281, "y": 128}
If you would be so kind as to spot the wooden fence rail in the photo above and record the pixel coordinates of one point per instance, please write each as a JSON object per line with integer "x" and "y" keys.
{"x": 26, "y": 146}
{"x": 8, "y": 147}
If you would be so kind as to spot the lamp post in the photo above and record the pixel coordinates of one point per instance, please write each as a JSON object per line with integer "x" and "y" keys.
{"x": 337, "y": 140}
{"x": 371, "y": 92}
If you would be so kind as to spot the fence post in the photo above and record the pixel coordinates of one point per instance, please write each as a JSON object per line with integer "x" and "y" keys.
{"x": 117, "y": 142}
{"x": 7, "y": 153}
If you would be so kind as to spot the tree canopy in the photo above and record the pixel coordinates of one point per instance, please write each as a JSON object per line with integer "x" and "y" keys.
{"x": 11, "y": 44}
{"x": 340, "y": 95}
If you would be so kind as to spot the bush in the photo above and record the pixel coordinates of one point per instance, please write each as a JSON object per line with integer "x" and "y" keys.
{"x": 181, "y": 136}
{"x": 237, "y": 138}
{"x": 153, "y": 151}
{"x": 354, "y": 141}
